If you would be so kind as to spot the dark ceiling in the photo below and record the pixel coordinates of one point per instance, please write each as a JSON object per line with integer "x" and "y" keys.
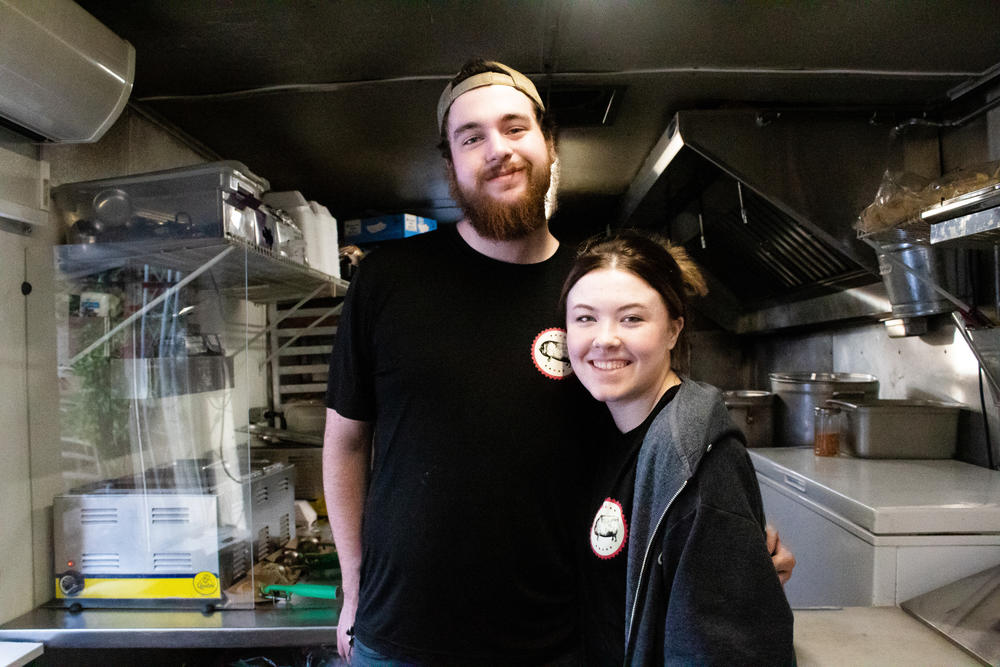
{"x": 337, "y": 99}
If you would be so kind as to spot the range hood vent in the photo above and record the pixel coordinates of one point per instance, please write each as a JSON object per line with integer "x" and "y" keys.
{"x": 765, "y": 204}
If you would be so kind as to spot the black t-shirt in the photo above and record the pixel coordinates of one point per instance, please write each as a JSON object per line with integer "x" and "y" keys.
{"x": 606, "y": 549}
{"x": 459, "y": 360}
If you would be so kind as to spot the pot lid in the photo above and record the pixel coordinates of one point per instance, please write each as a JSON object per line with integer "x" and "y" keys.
{"x": 807, "y": 377}
{"x": 746, "y": 397}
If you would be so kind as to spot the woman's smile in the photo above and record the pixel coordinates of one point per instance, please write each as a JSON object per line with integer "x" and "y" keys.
{"x": 609, "y": 364}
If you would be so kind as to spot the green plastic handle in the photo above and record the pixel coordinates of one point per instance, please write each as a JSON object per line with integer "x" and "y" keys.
{"x": 324, "y": 591}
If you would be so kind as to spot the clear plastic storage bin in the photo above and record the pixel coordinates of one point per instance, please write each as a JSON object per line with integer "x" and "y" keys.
{"x": 216, "y": 199}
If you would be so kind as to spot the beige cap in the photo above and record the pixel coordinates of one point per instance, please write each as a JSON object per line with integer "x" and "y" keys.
{"x": 511, "y": 78}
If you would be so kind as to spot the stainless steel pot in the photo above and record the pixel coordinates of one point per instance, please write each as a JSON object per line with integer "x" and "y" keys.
{"x": 798, "y": 393}
{"x": 751, "y": 410}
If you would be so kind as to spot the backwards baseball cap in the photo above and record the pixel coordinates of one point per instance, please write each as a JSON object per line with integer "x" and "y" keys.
{"x": 509, "y": 77}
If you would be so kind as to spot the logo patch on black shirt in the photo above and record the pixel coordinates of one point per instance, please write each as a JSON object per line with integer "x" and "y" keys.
{"x": 609, "y": 531}
{"x": 549, "y": 354}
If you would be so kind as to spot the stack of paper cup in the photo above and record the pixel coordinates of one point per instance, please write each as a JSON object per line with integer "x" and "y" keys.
{"x": 319, "y": 229}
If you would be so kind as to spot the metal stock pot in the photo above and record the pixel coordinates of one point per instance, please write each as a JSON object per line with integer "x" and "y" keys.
{"x": 796, "y": 394}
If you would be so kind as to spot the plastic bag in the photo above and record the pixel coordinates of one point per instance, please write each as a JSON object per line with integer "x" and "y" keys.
{"x": 962, "y": 181}
{"x": 900, "y": 197}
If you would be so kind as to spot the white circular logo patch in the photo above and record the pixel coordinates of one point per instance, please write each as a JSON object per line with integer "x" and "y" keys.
{"x": 609, "y": 531}
{"x": 548, "y": 351}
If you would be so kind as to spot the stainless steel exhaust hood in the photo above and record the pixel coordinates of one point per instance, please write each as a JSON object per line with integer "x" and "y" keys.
{"x": 765, "y": 203}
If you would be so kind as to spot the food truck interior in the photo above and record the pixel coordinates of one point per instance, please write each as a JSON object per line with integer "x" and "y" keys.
{"x": 186, "y": 189}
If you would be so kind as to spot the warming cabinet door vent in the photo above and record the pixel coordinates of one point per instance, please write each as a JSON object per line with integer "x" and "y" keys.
{"x": 98, "y": 515}
{"x": 173, "y": 562}
{"x": 99, "y": 562}
{"x": 170, "y": 515}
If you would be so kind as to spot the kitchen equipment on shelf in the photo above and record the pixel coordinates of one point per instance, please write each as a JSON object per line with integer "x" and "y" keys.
{"x": 289, "y": 241}
{"x": 282, "y": 437}
{"x": 911, "y": 268}
{"x": 307, "y": 460}
{"x": 752, "y": 411}
{"x": 305, "y": 415}
{"x": 796, "y": 394}
{"x": 211, "y": 200}
{"x": 899, "y": 428}
{"x": 319, "y": 228}
{"x": 176, "y": 535}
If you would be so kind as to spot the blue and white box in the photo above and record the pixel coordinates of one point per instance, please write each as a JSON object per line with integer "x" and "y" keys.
{"x": 386, "y": 227}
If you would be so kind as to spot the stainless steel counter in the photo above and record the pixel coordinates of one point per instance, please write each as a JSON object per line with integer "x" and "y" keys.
{"x": 131, "y": 628}
{"x": 855, "y": 636}
{"x": 965, "y": 611}
{"x": 870, "y": 636}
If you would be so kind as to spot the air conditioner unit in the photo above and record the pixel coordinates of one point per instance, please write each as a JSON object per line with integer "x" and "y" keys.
{"x": 64, "y": 76}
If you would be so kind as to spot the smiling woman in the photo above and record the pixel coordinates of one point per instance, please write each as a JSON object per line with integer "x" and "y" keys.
{"x": 620, "y": 335}
{"x": 625, "y": 303}
{"x": 676, "y": 488}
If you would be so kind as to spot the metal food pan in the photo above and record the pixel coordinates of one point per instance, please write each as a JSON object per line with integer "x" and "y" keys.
{"x": 899, "y": 428}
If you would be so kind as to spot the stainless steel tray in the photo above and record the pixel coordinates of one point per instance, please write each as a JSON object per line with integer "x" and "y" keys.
{"x": 899, "y": 428}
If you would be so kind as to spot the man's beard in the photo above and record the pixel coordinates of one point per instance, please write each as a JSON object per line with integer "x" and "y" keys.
{"x": 499, "y": 220}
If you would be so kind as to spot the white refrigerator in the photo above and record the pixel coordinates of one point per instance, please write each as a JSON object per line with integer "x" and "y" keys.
{"x": 875, "y": 532}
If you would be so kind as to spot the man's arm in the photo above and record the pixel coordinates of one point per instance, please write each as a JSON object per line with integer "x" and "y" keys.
{"x": 783, "y": 559}
{"x": 346, "y": 463}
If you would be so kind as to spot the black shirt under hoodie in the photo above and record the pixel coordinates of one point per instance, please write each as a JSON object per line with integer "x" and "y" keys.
{"x": 606, "y": 546}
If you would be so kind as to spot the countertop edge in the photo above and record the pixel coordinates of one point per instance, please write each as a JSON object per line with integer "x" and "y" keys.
{"x": 822, "y": 636}
{"x": 232, "y": 629}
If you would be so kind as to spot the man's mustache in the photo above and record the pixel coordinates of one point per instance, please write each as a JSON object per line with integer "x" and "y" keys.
{"x": 502, "y": 170}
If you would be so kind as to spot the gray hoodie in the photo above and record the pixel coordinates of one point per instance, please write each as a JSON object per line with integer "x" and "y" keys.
{"x": 701, "y": 585}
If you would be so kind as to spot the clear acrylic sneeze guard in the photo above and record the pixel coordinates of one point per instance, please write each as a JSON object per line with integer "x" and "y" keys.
{"x": 158, "y": 366}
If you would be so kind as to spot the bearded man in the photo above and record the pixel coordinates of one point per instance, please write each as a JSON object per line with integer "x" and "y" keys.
{"x": 499, "y": 176}
{"x": 453, "y": 455}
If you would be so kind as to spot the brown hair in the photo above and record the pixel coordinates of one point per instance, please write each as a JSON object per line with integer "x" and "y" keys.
{"x": 667, "y": 268}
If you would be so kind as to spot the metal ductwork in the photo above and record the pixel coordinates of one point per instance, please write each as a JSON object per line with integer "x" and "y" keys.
{"x": 765, "y": 203}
